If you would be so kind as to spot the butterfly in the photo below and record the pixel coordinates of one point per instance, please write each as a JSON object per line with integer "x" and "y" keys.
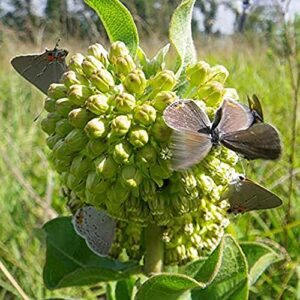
{"x": 96, "y": 227}
{"x": 245, "y": 195}
{"x": 42, "y": 69}
{"x": 256, "y": 108}
{"x": 233, "y": 126}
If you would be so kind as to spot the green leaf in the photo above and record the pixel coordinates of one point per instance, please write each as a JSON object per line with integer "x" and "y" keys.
{"x": 259, "y": 257}
{"x": 117, "y": 21}
{"x": 180, "y": 35}
{"x": 124, "y": 288}
{"x": 69, "y": 262}
{"x": 166, "y": 286}
{"x": 229, "y": 280}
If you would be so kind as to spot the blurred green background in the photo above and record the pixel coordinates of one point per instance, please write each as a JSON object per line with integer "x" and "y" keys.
{"x": 250, "y": 38}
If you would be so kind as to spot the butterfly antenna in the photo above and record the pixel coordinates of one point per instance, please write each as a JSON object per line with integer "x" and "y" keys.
{"x": 57, "y": 43}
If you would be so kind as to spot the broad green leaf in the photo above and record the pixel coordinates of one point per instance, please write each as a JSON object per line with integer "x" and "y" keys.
{"x": 180, "y": 35}
{"x": 229, "y": 279}
{"x": 259, "y": 257}
{"x": 191, "y": 269}
{"x": 117, "y": 21}
{"x": 124, "y": 288}
{"x": 69, "y": 262}
{"x": 166, "y": 286}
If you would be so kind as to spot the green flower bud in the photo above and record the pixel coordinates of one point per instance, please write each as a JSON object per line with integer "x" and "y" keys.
{"x": 97, "y": 104}
{"x": 197, "y": 73}
{"x": 49, "y": 104}
{"x": 95, "y": 128}
{"x": 116, "y": 195}
{"x": 76, "y": 140}
{"x": 106, "y": 167}
{"x": 147, "y": 155}
{"x": 120, "y": 125}
{"x": 117, "y": 49}
{"x": 90, "y": 65}
{"x": 48, "y": 124}
{"x": 79, "y": 93}
{"x": 131, "y": 177}
{"x": 63, "y": 106}
{"x": 211, "y": 93}
{"x": 79, "y": 117}
{"x": 163, "y": 99}
{"x": 96, "y": 184}
{"x": 138, "y": 137}
{"x": 76, "y": 62}
{"x": 63, "y": 127}
{"x": 80, "y": 166}
{"x": 102, "y": 80}
{"x": 52, "y": 140}
{"x": 63, "y": 164}
{"x": 219, "y": 73}
{"x": 124, "y": 102}
{"x": 122, "y": 153}
{"x": 75, "y": 183}
{"x": 61, "y": 150}
{"x": 231, "y": 93}
{"x": 57, "y": 90}
{"x": 124, "y": 65}
{"x": 95, "y": 148}
{"x": 160, "y": 131}
{"x": 69, "y": 78}
{"x": 145, "y": 114}
{"x": 163, "y": 81}
{"x": 99, "y": 52}
{"x": 135, "y": 82}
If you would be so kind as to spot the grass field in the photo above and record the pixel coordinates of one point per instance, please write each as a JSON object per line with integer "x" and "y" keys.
{"x": 29, "y": 189}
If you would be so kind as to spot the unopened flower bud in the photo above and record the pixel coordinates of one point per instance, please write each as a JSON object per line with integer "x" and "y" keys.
{"x": 79, "y": 117}
{"x": 76, "y": 140}
{"x": 122, "y": 153}
{"x": 63, "y": 106}
{"x": 63, "y": 164}
{"x": 219, "y": 73}
{"x": 138, "y": 137}
{"x": 147, "y": 155}
{"x": 69, "y": 78}
{"x": 124, "y": 65}
{"x": 95, "y": 128}
{"x": 161, "y": 132}
{"x": 124, "y": 102}
{"x": 76, "y": 62}
{"x": 90, "y": 65}
{"x": 75, "y": 183}
{"x": 57, "y": 90}
{"x": 116, "y": 196}
{"x": 102, "y": 80}
{"x": 95, "y": 148}
{"x": 60, "y": 149}
{"x": 80, "y": 166}
{"x": 231, "y": 93}
{"x": 211, "y": 93}
{"x": 52, "y": 140}
{"x": 97, "y": 104}
{"x": 99, "y": 52}
{"x": 49, "y": 104}
{"x": 145, "y": 114}
{"x": 117, "y": 49}
{"x": 197, "y": 73}
{"x": 63, "y": 127}
{"x": 79, "y": 93}
{"x": 163, "y": 99}
{"x": 131, "y": 177}
{"x": 106, "y": 166}
{"x": 48, "y": 124}
{"x": 163, "y": 81}
{"x": 135, "y": 82}
{"x": 120, "y": 125}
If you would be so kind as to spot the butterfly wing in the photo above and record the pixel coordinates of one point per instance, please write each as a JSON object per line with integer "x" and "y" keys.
{"x": 96, "y": 227}
{"x": 232, "y": 116}
{"x": 186, "y": 115}
{"x": 246, "y": 195}
{"x": 188, "y": 148}
{"x": 256, "y": 108}
{"x": 261, "y": 140}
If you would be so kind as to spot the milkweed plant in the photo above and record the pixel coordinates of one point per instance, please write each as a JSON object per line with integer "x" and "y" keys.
{"x": 110, "y": 145}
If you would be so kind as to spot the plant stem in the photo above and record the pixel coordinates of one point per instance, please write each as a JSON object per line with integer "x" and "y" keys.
{"x": 154, "y": 249}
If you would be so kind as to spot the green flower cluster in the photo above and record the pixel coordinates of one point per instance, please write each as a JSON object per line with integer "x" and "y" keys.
{"x": 110, "y": 144}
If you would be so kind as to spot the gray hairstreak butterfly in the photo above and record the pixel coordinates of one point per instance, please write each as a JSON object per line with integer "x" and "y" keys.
{"x": 194, "y": 135}
{"x": 256, "y": 108}
{"x": 42, "y": 69}
{"x": 96, "y": 227}
{"x": 245, "y": 195}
